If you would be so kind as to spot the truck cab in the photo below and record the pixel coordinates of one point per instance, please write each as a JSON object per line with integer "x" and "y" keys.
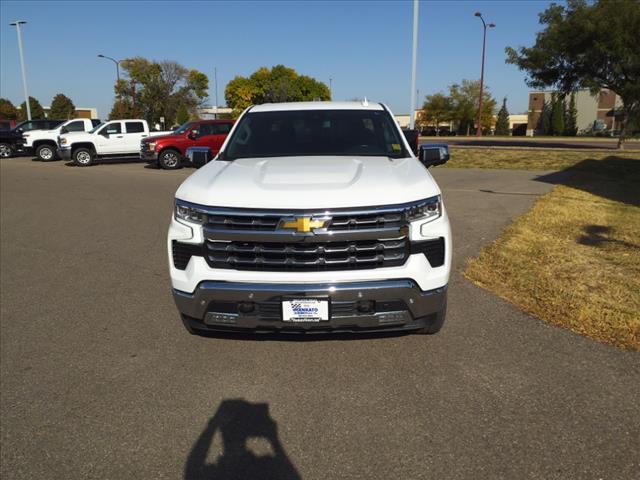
{"x": 168, "y": 151}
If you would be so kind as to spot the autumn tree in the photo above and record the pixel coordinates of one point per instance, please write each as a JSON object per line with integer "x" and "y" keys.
{"x": 62, "y": 107}
{"x": 592, "y": 45}
{"x": 465, "y": 98}
{"x": 8, "y": 110}
{"x": 275, "y": 85}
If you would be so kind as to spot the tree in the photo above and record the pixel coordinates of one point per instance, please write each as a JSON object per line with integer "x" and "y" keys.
{"x": 36, "y": 109}
{"x": 587, "y": 45}
{"x": 437, "y": 108}
{"x": 571, "y": 118}
{"x": 280, "y": 84}
{"x": 182, "y": 115}
{"x": 8, "y": 110}
{"x": 153, "y": 89}
{"x": 502, "y": 122}
{"x": 62, "y": 107}
{"x": 557, "y": 114}
{"x": 465, "y": 98}
{"x": 122, "y": 108}
{"x": 543, "y": 126}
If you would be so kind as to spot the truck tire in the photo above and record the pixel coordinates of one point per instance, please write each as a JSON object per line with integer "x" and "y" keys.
{"x": 46, "y": 153}
{"x": 434, "y": 324}
{"x": 82, "y": 157}
{"x": 6, "y": 150}
{"x": 169, "y": 159}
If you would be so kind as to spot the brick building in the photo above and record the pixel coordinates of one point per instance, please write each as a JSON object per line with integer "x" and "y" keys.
{"x": 595, "y": 112}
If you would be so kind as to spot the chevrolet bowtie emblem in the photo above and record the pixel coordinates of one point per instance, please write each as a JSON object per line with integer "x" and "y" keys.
{"x": 303, "y": 224}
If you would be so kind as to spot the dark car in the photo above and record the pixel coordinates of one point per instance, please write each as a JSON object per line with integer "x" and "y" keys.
{"x": 11, "y": 141}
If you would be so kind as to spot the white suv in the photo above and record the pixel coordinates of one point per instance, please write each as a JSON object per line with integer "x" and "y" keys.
{"x": 314, "y": 217}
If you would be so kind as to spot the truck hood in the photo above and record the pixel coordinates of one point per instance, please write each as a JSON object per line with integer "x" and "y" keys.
{"x": 308, "y": 182}
{"x": 161, "y": 136}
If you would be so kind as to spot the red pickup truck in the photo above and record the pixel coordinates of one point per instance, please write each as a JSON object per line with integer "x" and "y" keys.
{"x": 168, "y": 151}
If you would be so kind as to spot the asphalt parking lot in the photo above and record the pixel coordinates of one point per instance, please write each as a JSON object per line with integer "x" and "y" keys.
{"x": 100, "y": 380}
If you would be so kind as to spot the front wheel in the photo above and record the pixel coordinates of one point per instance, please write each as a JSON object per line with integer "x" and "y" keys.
{"x": 82, "y": 157}
{"x": 6, "y": 150}
{"x": 46, "y": 153}
{"x": 169, "y": 159}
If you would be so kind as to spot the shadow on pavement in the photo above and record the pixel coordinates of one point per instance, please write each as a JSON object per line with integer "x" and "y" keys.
{"x": 614, "y": 178}
{"x": 250, "y": 447}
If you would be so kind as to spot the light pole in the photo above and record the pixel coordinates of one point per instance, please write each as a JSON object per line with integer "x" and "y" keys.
{"x": 117, "y": 62}
{"x": 484, "y": 42}
{"x": 17, "y": 24}
{"x": 414, "y": 60}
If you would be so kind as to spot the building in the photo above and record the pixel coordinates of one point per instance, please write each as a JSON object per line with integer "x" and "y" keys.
{"x": 595, "y": 112}
{"x": 81, "y": 112}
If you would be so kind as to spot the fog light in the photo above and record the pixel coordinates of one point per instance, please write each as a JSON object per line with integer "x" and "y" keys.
{"x": 246, "y": 307}
{"x": 365, "y": 306}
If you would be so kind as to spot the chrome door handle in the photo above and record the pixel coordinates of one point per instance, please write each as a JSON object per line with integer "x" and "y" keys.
{"x": 144, "y": 135}
{"x": 118, "y": 136}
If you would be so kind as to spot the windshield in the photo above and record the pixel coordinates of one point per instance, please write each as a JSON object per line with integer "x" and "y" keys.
{"x": 183, "y": 128}
{"x": 94, "y": 129}
{"x": 315, "y": 132}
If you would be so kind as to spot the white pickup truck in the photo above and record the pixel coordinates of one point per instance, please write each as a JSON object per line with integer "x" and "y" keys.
{"x": 43, "y": 143}
{"x": 314, "y": 217}
{"x": 114, "y": 139}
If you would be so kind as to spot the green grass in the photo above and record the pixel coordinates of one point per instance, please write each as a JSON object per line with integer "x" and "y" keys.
{"x": 528, "y": 159}
{"x": 574, "y": 259}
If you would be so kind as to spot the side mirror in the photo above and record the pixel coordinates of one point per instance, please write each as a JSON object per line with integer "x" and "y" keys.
{"x": 193, "y": 134}
{"x": 64, "y": 130}
{"x": 433, "y": 154}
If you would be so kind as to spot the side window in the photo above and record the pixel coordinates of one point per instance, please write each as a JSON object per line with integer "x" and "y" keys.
{"x": 25, "y": 127}
{"x": 134, "y": 127}
{"x": 112, "y": 128}
{"x": 75, "y": 126}
{"x": 205, "y": 129}
{"x": 222, "y": 128}
{"x": 95, "y": 123}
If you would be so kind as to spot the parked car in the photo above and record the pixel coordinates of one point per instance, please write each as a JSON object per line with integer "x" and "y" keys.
{"x": 43, "y": 143}
{"x": 314, "y": 217}
{"x": 169, "y": 151}
{"x": 11, "y": 141}
{"x": 116, "y": 139}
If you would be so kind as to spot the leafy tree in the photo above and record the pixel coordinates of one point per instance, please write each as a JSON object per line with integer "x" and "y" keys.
{"x": 36, "y": 109}
{"x": 62, "y": 107}
{"x": 557, "y": 115}
{"x": 465, "y": 98}
{"x": 587, "y": 45}
{"x": 437, "y": 108}
{"x": 182, "y": 115}
{"x": 8, "y": 110}
{"x": 571, "y": 118}
{"x": 122, "y": 108}
{"x": 502, "y": 122}
{"x": 158, "y": 89}
{"x": 280, "y": 84}
{"x": 544, "y": 121}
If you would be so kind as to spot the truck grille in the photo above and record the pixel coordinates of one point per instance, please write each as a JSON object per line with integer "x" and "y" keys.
{"x": 306, "y": 256}
{"x": 352, "y": 221}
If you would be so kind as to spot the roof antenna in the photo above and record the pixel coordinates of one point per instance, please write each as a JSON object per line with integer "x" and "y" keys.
{"x": 365, "y": 102}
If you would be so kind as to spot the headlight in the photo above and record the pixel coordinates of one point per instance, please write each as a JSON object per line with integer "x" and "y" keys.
{"x": 428, "y": 209}
{"x": 63, "y": 141}
{"x": 189, "y": 213}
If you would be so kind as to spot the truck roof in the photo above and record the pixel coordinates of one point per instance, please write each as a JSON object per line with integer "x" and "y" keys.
{"x": 282, "y": 107}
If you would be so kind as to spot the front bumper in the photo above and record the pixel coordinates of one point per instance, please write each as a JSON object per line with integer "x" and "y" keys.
{"x": 64, "y": 153}
{"x": 387, "y": 305}
{"x": 149, "y": 156}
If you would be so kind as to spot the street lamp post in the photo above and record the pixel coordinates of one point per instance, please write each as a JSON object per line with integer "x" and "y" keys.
{"x": 17, "y": 24}
{"x": 117, "y": 62}
{"x": 414, "y": 57}
{"x": 484, "y": 42}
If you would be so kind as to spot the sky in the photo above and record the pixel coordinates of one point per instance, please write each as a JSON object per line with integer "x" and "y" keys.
{"x": 363, "y": 46}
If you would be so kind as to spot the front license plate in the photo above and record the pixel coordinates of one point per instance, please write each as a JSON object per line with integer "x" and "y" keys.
{"x": 305, "y": 310}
